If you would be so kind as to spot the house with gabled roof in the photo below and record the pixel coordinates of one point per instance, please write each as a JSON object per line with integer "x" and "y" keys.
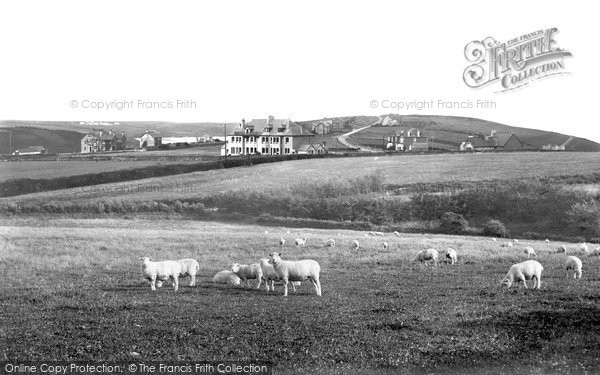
{"x": 31, "y": 150}
{"x": 98, "y": 140}
{"x": 268, "y": 136}
{"x": 493, "y": 142}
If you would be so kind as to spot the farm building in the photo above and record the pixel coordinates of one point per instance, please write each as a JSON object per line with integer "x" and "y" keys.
{"x": 493, "y": 142}
{"x": 311, "y": 149}
{"x": 407, "y": 140}
{"x": 151, "y": 138}
{"x": 103, "y": 141}
{"x": 31, "y": 150}
{"x": 389, "y": 121}
{"x": 268, "y": 136}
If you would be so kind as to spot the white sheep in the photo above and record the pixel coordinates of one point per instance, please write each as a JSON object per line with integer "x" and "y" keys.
{"x": 527, "y": 270}
{"x": 385, "y": 245}
{"x": 562, "y": 249}
{"x": 547, "y": 240}
{"x": 355, "y": 244}
{"x": 583, "y": 247}
{"x": 282, "y": 242}
{"x": 299, "y": 270}
{"x": 507, "y": 244}
{"x": 396, "y": 234}
{"x": 330, "y": 243}
{"x": 189, "y": 267}
{"x": 595, "y": 252}
{"x": 573, "y": 264}
{"x": 516, "y": 241}
{"x": 529, "y": 251}
{"x": 227, "y": 277}
{"x": 378, "y": 233}
{"x": 301, "y": 241}
{"x": 269, "y": 275}
{"x": 247, "y": 272}
{"x": 451, "y": 254}
{"x": 494, "y": 239}
{"x": 424, "y": 256}
{"x": 161, "y": 271}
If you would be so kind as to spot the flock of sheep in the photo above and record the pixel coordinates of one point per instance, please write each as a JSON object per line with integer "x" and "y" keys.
{"x": 276, "y": 270}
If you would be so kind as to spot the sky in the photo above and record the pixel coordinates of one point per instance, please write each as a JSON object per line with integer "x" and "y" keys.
{"x": 221, "y": 61}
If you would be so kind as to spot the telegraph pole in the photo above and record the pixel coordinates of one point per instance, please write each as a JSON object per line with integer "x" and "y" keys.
{"x": 225, "y": 138}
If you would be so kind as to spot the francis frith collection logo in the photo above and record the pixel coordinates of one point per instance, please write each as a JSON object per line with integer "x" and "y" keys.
{"x": 514, "y": 63}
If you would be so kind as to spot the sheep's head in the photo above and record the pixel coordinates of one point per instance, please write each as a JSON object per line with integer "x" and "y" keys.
{"x": 235, "y": 267}
{"x": 274, "y": 258}
{"x": 506, "y": 281}
{"x": 145, "y": 259}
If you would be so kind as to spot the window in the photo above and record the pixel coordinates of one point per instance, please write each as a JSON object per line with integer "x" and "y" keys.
{"x": 287, "y": 139}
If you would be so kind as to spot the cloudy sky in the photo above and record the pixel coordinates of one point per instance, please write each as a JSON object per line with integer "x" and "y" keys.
{"x": 227, "y": 60}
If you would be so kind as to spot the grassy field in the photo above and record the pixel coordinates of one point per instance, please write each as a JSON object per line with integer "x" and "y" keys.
{"x": 72, "y": 290}
{"x": 277, "y": 177}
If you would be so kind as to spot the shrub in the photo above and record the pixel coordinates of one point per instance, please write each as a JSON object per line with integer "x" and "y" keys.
{"x": 531, "y": 236}
{"x": 585, "y": 216}
{"x": 452, "y": 222}
{"x": 595, "y": 240}
{"x": 495, "y": 228}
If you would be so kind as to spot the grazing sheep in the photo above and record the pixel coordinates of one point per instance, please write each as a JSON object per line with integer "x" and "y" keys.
{"x": 451, "y": 254}
{"x": 494, "y": 239}
{"x": 595, "y": 252}
{"x": 385, "y": 245}
{"x": 516, "y": 241}
{"x": 529, "y": 251}
{"x": 426, "y": 255}
{"x": 189, "y": 267}
{"x": 282, "y": 242}
{"x": 269, "y": 274}
{"x": 355, "y": 245}
{"x": 547, "y": 240}
{"x": 527, "y": 270}
{"x": 299, "y": 270}
{"x": 161, "y": 271}
{"x": 227, "y": 277}
{"x": 330, "y": 243}
{"x": 396, "y": 234}
{"x": 507, "y": 244}
{"x": 378, "y": 233}
{"x": 247, "y": 272}
{"x": 573, "y": 264}
{"x": 301, "y": 241}
{"x": 562, "y": 249}
{"x": 583, "y": 247}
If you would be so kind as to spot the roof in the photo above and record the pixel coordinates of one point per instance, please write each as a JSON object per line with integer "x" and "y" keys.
{"x": 481, "y": 142}
{"x": 305, "y": 147}
{"x": 503, "y": 138}
{"x": 153, "y": 133}
{"x": 32, "y": 149}
{"x": 271, "y": 126}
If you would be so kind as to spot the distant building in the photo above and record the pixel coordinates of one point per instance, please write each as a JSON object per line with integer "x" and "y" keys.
{"x": 268, "y": 136}
{"x": 31, "y": 150}
{"x": 103, "y": 141}
{"x": 407, "y": 140}
{"x": 389, "y": 121}
{"x": 311, "y": 149}
{"x": 554, "y": 147}
{"x": 493, "y": 142}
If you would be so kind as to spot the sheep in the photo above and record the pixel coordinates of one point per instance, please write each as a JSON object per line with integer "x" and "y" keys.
{"x": 378, "y": 233}
{"x": 301, "y": 241}
{"x": 516, "y": 241}
{"x": 227, "y": 277}
{"x": 529, "y": 269}
{"x": 247, "y": 272}
{"x": 161, "y": 271}
{"x": 507, "y": 244}
{"x": 299, "y": 270}
{"x": 494, "y": 239}
{"x": 451, "y": 254}
{"x": 595, "y": 252}
{"x": 583, "y": 247}
{"x": 529, "y": 251}
{"x": 562, "y": 249}
{"x": 330, "y": 243}
{"x": 355, "y": 244}
{"x": 424, "y": 256}
{"x": 547, "y": 240}
{"x": 282, "y": 242}
{"x": 385, "y": 245}
{"x": 189, "y": 267}
{"x": 573, "y": 264}
{"x": 269, "y": 274}
{"x": 396, "y": 234}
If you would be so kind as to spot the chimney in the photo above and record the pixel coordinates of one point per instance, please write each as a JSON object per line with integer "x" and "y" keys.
{"x": 493, "y": 133}
{"x": 270, "y": 120}
{"x": 243, "y": 122}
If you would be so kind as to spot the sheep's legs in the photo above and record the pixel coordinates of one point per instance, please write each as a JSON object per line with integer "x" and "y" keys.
{"x": 175, "y": 282}
{"x": 192, "y": 280}
{"x": 285, "y": 287}
{"x": 153, "y": 284}
{"x": 317, "y": 285}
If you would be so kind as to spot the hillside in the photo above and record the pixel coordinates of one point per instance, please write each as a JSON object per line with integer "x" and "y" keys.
{"x": 452, "y": 131}
{"x": 53, "y": 140}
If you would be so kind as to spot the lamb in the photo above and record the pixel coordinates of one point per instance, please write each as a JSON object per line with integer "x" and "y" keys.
{"x": 189, "y": 267}
{"x": 269, "y": 274}
{"x": 161, "y": 271}
{"x": 330, "y": 243}
{"x": 424, "y": 256}
{"x": 282, "y": 242}
{"x": 247, "y": 272}
{"x": 529, "y": 251}
{"x": 355, "y": 244}
{"x": 301, "y": 241}
{"x": 227, "y": 277}
{"x": 583, "y": 247}
{"x": 299, "y": 270}
{"x": 527, "y": 270}
{"x": 451, "y": 254}
{"x": 573, "y": 264}
{"x": 562, "y": 249}
{"x": 385, "y": 245}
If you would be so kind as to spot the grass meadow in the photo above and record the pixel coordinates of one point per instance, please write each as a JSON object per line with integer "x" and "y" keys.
{"x": 72, "y": 290}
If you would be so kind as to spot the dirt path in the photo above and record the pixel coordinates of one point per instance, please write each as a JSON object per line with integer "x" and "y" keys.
{"x": 342, "y": 138}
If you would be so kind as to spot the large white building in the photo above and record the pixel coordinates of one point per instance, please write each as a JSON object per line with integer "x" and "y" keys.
{"x": 269, "y": 136}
